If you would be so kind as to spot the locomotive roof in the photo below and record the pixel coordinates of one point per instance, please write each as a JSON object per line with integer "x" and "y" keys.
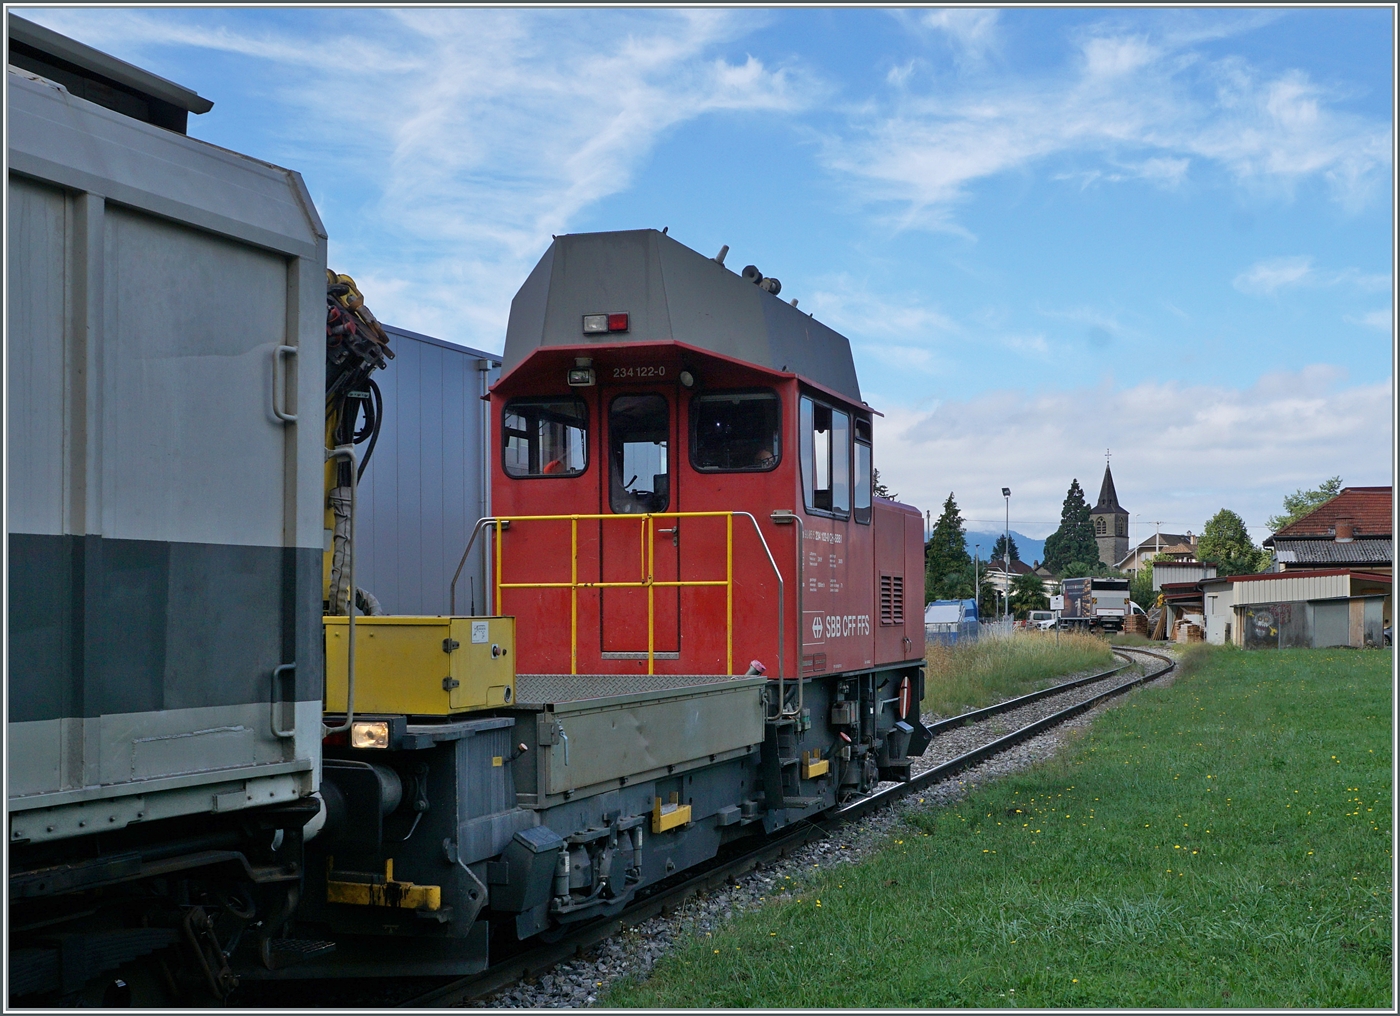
{"x": 672, "y": 294}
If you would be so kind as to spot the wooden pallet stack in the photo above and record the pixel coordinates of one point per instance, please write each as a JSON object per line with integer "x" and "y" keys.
{"x": 1136, "y": 624}
{"x": 1188, "y": 632}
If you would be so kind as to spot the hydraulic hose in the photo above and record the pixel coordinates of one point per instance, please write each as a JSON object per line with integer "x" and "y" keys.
{"x": 347, "y": 453}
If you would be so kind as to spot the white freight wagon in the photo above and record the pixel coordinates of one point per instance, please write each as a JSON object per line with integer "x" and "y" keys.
{"x": 165, "y": 343}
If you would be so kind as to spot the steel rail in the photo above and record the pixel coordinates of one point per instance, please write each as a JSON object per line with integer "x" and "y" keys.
{"x": 1024, "y": 700}
{"x": 545, "y": 957}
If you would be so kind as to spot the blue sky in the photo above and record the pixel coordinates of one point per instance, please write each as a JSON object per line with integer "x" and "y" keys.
{"x": 1046, "y": 232}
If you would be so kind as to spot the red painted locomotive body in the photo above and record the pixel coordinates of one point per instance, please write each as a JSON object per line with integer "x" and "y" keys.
{"x": 605, "y": 410}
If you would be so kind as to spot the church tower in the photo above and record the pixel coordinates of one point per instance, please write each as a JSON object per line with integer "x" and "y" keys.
{"x": 1110, "y": 522}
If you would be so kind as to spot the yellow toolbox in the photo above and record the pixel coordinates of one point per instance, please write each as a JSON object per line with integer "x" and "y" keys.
{"x": 425, "y": 666}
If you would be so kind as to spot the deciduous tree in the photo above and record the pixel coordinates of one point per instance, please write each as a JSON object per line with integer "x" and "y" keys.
{"x": 1301, "y": 502}
{"x": 1226, "y": 541}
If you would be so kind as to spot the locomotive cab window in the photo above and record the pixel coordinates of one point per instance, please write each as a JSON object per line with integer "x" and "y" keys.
{"x": 639, "y": 430}
{"x": 735, "y": 431}
{"x": 863, "y": 478}
{"x": 544, "y": 437}
{"x": 826, "y": 458}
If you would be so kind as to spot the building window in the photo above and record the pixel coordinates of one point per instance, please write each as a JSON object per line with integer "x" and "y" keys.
{"x": 544, "y": 437}
{"x": 1122, "y": 526}
{"x": 825, "y": 435}
{"x": 1100, "y": 526}
{"x": 735, "y": 432}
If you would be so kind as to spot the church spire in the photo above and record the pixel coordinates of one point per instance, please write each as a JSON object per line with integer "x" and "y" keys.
{"x": 1108, "y": 497}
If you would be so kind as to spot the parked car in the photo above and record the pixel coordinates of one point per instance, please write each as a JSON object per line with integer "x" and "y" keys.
{"x": 1042, "y": 619}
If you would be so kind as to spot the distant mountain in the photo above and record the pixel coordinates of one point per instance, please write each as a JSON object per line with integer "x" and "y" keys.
{"x": 1030, "y": 550}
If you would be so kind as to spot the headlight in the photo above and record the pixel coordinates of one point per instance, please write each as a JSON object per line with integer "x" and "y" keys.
{"x": 373, "y": 734}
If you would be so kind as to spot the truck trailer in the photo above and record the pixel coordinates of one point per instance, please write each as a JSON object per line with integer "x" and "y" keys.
{"x": 1091, "y": 603}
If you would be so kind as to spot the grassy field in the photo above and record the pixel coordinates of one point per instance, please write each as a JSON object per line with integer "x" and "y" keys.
{"x": 1224, "y": 842}
{"x": 973, "y": 674}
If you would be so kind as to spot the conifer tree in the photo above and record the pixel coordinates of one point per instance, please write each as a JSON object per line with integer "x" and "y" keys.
{"x": 999, "y": 549}
{"x": 945, "y": 555}
{"x": 1074, "y": 540}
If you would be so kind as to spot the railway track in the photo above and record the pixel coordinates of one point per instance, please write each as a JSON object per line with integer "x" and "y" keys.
{"x": 666, "y": 897}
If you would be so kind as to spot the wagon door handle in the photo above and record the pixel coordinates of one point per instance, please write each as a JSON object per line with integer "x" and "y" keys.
{"x": 278, "y": 677}
{"x": 279, "y": 383}
{"x": 674, "y": 533}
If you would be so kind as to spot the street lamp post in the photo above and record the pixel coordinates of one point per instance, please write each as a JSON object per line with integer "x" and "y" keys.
{"x": 1006, "y": 552}
{"x": 976, "y": 587}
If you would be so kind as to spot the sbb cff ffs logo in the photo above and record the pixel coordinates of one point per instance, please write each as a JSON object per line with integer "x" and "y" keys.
{"x": 838, "y": 625}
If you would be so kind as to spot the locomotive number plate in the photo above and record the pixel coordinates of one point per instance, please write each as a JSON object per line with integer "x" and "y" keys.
{"x": 643, "y": 373}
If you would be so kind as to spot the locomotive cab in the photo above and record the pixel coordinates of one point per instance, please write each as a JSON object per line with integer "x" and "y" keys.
{"x": 683, "y": 450}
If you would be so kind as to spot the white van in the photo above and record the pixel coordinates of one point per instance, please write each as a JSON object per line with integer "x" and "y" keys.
{"x": 1042, "y": 619}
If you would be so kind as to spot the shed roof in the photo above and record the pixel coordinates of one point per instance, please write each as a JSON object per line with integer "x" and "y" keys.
{"x": 1312, "y": 573}
{"x": 1368, "y": 507}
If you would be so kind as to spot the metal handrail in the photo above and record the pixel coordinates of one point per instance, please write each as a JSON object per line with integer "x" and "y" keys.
{"x": 787, "y": 517}
{"x": 452, "y": 590}
{"x": 648, "y": 580}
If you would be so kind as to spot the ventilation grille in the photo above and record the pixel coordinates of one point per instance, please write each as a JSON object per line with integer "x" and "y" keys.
{"x": 891, "y": 599}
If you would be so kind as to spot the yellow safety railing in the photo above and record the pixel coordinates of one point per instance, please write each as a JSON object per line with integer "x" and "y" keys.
{"x": 647, "y": 580}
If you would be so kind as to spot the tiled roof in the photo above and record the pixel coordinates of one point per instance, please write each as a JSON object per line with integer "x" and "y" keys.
{"x": 1017, "y": 567}
{"x": 1367, "y": 507}
{"x": 1363, "y": 551}
{"x": 1168, "y": 539}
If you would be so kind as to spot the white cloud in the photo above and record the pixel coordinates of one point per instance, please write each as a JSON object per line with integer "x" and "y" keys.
{"x": 852, "y": 308}
{"x": 1107, "y": 57}
{"x": 1180, "y": 452}
{"x": 473, "y": 135}
{"x": 1264, "y": 277}
{"x": 1382, "y": 320}
{"x": 974, "y": 30}
{"x": 1148, "y": 109}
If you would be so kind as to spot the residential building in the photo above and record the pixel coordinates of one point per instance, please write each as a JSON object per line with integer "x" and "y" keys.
{"x": 1353, "y": 530}
{"x": 1179, "y": 546}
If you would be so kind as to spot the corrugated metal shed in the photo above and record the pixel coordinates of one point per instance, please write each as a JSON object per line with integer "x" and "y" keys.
{"x": 1285, "y": 586}
{"x": 1167, "y": 572}
{"x": 426, "y": 484}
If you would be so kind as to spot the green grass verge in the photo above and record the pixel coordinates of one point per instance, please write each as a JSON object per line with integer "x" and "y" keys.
{"x": 1222, "y": 842}
{"x": 974, "y": 674}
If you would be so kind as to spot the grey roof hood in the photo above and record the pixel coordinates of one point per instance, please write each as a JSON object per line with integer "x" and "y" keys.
{"x": 673, "y": 294}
